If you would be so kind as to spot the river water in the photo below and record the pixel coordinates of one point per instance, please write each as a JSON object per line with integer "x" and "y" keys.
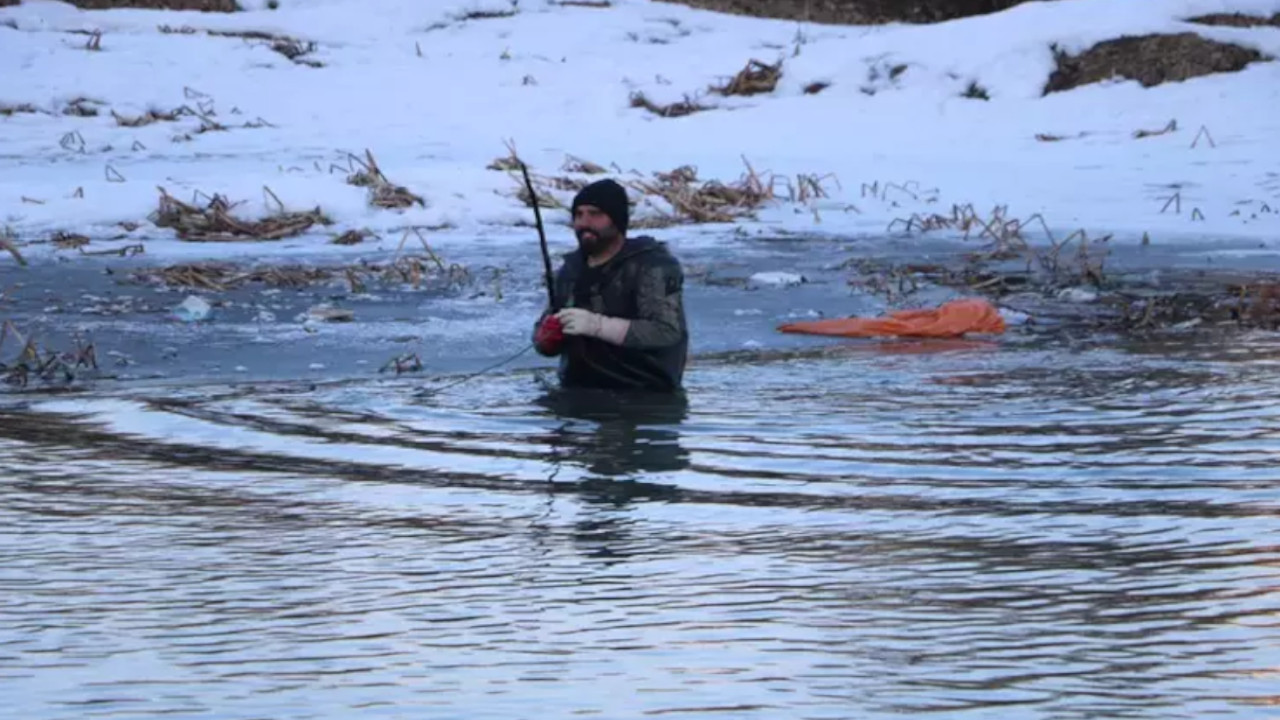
{"x": 1051, "y": 528}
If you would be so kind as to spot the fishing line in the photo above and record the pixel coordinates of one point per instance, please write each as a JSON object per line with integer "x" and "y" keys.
{"x": 549, "y": 279}
{"x": 432, "y": 391}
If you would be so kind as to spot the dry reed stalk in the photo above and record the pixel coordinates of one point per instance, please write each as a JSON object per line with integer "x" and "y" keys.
{"x": 350, "y": 237}
{"x": 68, "y": 241}
{"x": 505, "y": 164}
{"x": 680, "y": 108}
{"x": 754, "y": 78}
{"x": 382, "y": 192}
{"x": 403, "y": 363}
{"x": 425, "y": 246}
{"x": 7, "y": 243}
{"x": 29, "y": 360}
{"x": 1172, "y": 126}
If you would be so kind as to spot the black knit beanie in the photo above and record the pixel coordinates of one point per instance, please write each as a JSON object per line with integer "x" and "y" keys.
{"x": 610, "y": 197}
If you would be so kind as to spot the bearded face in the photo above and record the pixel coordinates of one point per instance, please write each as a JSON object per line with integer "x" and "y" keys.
{"x": 594, "y": 229}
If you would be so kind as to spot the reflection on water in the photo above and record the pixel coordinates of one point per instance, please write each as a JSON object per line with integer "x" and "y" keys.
{"x": 616, "y": 435}
{"x": 989, "y": 531}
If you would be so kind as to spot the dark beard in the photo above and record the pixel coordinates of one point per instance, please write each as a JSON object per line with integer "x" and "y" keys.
{"x": 591, "y": 243}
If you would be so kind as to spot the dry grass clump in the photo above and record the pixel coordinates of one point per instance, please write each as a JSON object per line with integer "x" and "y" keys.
{"x": 201, "y": 5}
{"x": 1239, "y": 20}
{"x": 707, "y": 201}
{"x": 351, "y": 237}
{"x": 684, "y": 197}
{"x": 544, "y": 185}
{"x": 220, "y": 277}
{"x": 290, "y": 47}
{"x": 511, "y": 163}
{"x": 486, "y": 14}
{"x": 680, "y": 108}
{"x": 151, "y": 116}
{"x": 215, "y": 223}
{"x": 507, "y": 163}
{"x": 382, "y": 192}
{"x": 82, "y": 107}
{"x": 1148, "y": 59}
{"x": 974, "y": 91}
{"x": 816, "y": 87}
{"x": 754, "y": 78}
{"x": 8, "y": 110}
{"x": 578, "y": 165}
{"x": 68, "y": 241}
{"x": 1007, "y": 241}
{"x": 407, "y": 269}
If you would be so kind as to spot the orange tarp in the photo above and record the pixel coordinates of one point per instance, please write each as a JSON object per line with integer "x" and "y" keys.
{"x": 951, "y": 319}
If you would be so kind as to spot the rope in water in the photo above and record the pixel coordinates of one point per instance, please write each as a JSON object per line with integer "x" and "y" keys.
{"x": 476, "y": 374}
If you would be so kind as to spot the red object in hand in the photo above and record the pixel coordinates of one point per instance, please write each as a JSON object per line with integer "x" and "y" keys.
{"x": 549, "y": 335}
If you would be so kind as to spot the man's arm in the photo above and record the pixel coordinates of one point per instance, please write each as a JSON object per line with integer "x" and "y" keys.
{"x": 659, "y": 320}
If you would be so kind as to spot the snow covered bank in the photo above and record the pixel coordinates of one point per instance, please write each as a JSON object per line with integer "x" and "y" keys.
{"x": 281, "y": 99}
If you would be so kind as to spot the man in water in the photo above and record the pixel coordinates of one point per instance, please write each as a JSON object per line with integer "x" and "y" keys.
{"x": 618, "y": 318}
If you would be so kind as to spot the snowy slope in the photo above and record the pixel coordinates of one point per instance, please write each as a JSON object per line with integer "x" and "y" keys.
{"x": 435, "y": 98}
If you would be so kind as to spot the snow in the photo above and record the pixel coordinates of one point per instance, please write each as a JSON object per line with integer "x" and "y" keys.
{"x": 435, "y": 99}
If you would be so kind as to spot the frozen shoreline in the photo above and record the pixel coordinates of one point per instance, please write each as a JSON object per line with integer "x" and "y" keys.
{"x": 891, "y": 140}
{"x": 435, "y": 99}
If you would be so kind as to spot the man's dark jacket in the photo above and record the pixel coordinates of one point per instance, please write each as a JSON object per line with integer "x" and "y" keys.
{"x": 643, "y": 283}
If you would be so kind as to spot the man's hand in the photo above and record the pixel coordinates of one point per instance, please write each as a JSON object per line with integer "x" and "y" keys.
{"x": 549, "y": 336}
{"x": 577, "y": 321}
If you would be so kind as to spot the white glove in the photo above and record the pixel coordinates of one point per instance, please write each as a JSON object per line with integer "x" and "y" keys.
{"x": 577, "y": 321}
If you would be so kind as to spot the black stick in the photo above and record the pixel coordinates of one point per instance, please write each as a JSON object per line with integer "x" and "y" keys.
{"x": 542, "y": 238}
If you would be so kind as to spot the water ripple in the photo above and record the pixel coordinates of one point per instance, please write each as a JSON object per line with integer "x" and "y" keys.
{"x": 1035, "y": 532}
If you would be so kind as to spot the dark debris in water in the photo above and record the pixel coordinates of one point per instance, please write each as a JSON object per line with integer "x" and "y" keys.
{"x": 36, "y": 363}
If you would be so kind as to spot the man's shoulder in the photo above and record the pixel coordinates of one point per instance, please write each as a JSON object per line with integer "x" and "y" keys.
{"x": 651, "y": 252}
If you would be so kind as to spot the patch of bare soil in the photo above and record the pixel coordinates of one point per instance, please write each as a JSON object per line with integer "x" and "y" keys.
{"x": 1149, "y": 59}
{"x": 855, "y": 12}
{"x": 9, "y": 3}
{"x": 1236, "y": 20}
{"x": 201, "y": 5}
